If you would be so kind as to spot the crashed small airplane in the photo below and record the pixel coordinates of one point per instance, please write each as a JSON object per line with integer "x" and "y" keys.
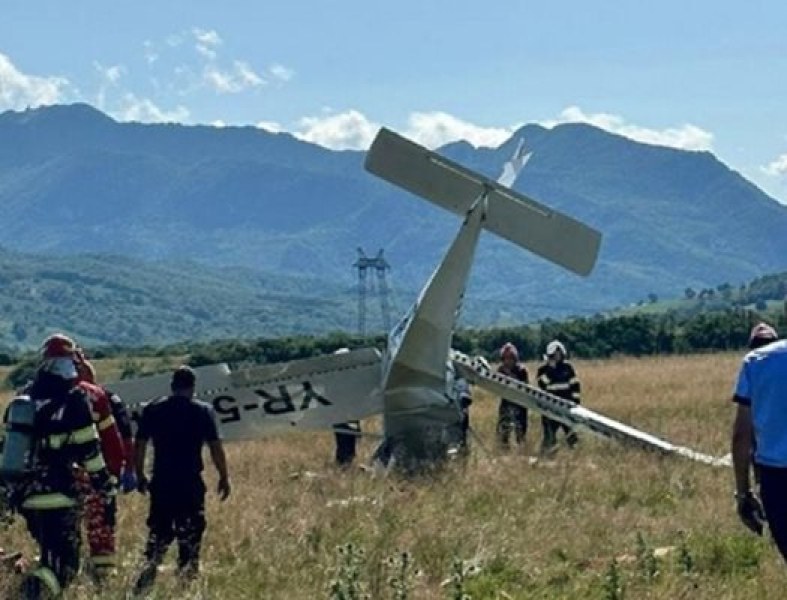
{"x": 412, "y": 381}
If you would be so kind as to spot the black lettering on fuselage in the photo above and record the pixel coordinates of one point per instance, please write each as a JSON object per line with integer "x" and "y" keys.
{"x": 309, "y": 395}
{"x": 229, "y": 410}
{"x": 226, "y": 408}
{"x": 276, "y": 405}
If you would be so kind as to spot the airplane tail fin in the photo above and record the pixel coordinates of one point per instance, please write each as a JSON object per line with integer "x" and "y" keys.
{"x": 511, "y": 215}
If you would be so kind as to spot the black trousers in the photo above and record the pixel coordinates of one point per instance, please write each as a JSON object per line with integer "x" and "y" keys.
{"x": 346, "y": 442}
{"x": 550, "y": 429}
{"x": 511, "y": 417}
{"x": 177, "y": 512}
{"x": 56, "y": 531}
{"x": 773, "y": 492}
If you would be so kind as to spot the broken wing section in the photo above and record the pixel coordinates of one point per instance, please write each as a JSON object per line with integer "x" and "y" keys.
{"x": 255, "y": 402}
{"x": 569, "y": 413}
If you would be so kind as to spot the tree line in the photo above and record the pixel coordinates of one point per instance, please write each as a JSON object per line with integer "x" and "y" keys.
{"x": 586, "y": 337}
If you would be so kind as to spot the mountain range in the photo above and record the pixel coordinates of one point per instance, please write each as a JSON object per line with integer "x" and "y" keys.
{"x": 243, "y": 209}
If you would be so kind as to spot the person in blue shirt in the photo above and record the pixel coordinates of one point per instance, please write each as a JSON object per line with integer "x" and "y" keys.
{"x": 761, "y": 415}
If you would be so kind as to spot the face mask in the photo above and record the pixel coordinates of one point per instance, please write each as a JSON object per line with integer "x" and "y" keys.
{"x": 62, "y": 367}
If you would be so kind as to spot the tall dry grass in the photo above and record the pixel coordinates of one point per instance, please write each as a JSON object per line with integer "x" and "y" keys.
{"x": 583, "y": 526}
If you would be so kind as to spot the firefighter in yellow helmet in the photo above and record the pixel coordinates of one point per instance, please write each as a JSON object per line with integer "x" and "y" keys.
{"x": 59, "y": 428}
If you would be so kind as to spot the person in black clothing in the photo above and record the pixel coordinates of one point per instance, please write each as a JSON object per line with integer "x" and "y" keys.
{"x": 346, "y": 438}
{"x": 48, "y": 496}
{"x": 511, "y": 416}
{"x": 464, "y": 397}
{"x": 178, "y": 426}
{"x": 557, "y": 376}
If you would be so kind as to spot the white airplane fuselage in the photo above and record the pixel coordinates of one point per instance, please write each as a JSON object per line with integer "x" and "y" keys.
{"x": 421, "y": 417}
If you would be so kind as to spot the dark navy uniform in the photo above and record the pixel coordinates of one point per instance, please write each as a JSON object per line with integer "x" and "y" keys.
{"x": 346, "y": 442}
{"x": 49, "y": 497}
{"x": 178, "y": 428}
{"x": 561, "y": 380}
{"x": 512, "y": 416}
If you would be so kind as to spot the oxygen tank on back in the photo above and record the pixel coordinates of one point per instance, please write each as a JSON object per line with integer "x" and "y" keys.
{"x": 19, "y": 445}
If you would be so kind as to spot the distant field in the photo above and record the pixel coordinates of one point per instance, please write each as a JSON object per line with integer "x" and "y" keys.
{"x": 584, "y": 526}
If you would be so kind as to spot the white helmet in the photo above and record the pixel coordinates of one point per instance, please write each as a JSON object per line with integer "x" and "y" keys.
{"x": 553, "y": 347}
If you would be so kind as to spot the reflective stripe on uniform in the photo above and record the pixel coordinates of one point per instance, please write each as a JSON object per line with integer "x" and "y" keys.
{"x": 48, "y": 578}
{"x": 84, "y": 435}
{"x": 573, "y": 381}
{"x": 80, "y": 436}
{"x": 48, "y": 501}
{"x": 558, "y": 386}
{"x": 57, "y": 440}
{"x": 106, "y": 423}
{"x": 94, "y": 464}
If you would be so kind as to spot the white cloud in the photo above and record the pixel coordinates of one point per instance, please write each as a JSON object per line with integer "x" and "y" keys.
{"x": 271, "y": 126}
{"x": 206, "y": 51}
{"x": 218, "y": 123}
{"x": 207, "y": 37}
{"x": 112, "y": 74}
{"x": 685, "y": 137}
{"x": 352, "y": 130}
{"x": 281, "y": 72}
{"x": 19, "y": 90}
{"x": 143, "y": 110}
{"x": 349, "y": 130}
{"x": 246, "y": 74}
{"x": 435, "y": 129}
{"x": 777, "y": 167}
{"x": 240, "y": 78}
{"x": 109, "y": 79}
{"x": 207, "y": 42}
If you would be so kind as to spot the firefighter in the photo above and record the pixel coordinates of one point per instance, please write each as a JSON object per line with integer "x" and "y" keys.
{"x": 511, "y": 416}
{"x": 60, "y": 435}
{"x": 122, "y": 417}
{"x": 178, "y": 426}
{"x": 100, "y": 516}
{"x": 557, "y": 376}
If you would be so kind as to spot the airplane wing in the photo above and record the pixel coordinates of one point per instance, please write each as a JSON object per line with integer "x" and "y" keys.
{"x": 250, "y": 403}
{"x": 569, "y": 413}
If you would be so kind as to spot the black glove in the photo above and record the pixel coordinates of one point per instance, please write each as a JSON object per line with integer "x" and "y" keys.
{"x": 142, "y": 484}
{"x": 750, "y": 512}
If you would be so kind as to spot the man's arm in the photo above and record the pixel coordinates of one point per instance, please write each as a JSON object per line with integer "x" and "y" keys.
{"x": 139, "y": 464}
{"x": 219, "y": 459}
{"x": 139, "y": 457}
{"x": 741, "y": 447}
{"x": 749, "y": 508}
{"x": 217, "y": 455}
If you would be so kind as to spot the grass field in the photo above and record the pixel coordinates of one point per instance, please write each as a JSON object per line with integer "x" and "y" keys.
{"x": 597, "y": 522}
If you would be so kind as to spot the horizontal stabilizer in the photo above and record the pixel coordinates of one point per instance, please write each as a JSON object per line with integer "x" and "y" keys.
{"x": 511, "y": 215}
{"x": 571, "y": 414}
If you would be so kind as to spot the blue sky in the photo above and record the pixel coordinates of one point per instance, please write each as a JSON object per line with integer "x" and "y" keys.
{"x": 694, "y": 75}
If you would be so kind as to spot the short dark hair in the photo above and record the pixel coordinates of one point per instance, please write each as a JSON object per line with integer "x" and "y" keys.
{"x": 183, "y": 378}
